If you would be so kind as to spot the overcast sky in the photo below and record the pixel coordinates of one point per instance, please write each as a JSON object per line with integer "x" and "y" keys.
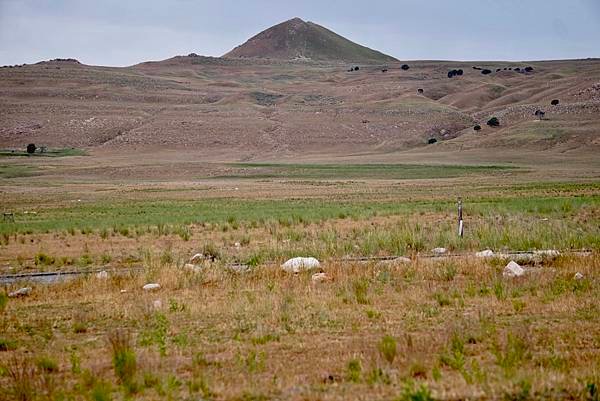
{"x": 125, "y": 32}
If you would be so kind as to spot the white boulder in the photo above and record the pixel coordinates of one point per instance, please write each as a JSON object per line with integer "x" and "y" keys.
{"x": 296, "y": 265}
{"x": 21, "y": 292}
{"x": 439, "y": 251}
{"x": 549, "y": 253}
{"x": 578, "y": 276}
{"x": 488, "y": 253}
{"x": 103, "y": 275}
{"x": 513, "y": 269}
{"x": 151, "y": 287}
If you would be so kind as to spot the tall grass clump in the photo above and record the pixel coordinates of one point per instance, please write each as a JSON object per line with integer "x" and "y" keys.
{"x": 388, "y": 348}
{"x": 23, "y": 380}
{"x": 123, "y": 357}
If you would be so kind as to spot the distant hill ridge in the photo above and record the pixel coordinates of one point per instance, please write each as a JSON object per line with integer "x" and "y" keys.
{"x": 296, "y": 40}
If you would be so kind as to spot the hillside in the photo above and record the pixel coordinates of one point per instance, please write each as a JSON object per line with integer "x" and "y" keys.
{"x": 256, "y": 109}
{"x": 299, "y": 40}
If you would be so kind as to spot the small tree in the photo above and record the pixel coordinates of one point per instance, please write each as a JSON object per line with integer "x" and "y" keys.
{"x": 420, "y": 91}
{"x": 486, "y": 71}
{"x": 459, "y": 72}
{"x": 555, "y": 102}
{"x": 405, "y": 67}
{"x": 477, "y": 127}
{"x": 31, "y": 148}
{"x": 431, "y": 141}
{"x": 493, "y": 122}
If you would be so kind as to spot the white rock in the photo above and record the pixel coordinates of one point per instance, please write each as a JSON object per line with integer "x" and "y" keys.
{"x": 439, "y": 251}
{"x": 123, "y": 291}
{"x": 320, "y": 277}
{"x": 157, "y": 304}
{"x": 402, "y": 260}
{"x": 103, "y": 275}
{"x": 21, "y": 292}
{"x": 551, "y": 253}
{"x": 513, "y": 269}
{"x": 578, "y": 276}
{"x": 237, "y": 245}
{"x": 295, "y": 265}
{"x": 197, "y": 258}
{"x": 193, "y": 268}
{"x": 488, "y": 253}
{"x": 151, "y": 287}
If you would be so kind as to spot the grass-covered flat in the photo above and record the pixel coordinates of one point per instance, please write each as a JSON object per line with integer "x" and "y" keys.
{"x": 61, "y": 152}
{"x": 358, "y": 171}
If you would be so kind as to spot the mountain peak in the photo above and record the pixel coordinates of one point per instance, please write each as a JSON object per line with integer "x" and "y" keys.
{"x": 298, "y": 39}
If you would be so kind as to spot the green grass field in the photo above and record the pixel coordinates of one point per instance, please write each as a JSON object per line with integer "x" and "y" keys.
{"x": 359, "y": 171}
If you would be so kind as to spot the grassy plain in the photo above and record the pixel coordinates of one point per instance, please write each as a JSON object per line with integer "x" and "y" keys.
{"x": 450, "y": 328}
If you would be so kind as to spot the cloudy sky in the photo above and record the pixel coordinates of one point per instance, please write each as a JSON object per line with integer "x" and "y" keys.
{"x": 125, "y": 32}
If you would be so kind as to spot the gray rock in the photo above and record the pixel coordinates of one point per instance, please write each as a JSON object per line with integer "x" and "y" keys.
{"x": 488, "y": 253}
{"x": 513, "y": 269}
{"x": 578, "y": 276}
{"x": 21, "y": 292}
{"x": 151, "y": 287}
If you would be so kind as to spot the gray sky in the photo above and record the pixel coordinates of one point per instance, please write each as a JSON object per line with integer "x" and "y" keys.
{"x": 125, "y": 32}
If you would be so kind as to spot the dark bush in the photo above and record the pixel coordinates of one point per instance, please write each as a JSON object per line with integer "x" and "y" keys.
{"x": 476, "y": 68}
{"x": 493, "y": 122}
{"x": 528, "y": 69}
{"x": 518, "y": 69}
{"x": 431, "y": 141}
{"x": 451, "y": 73}
{"x": 498, "y": 69}
{"x": 356, "y": 68}
{"x": 405, "y": 67}
{"x": 555, "y": 102}
{"x": 486, "y": 71}
{"x": 540, "y": 114}
{"x": 477, "y": 127}
{"x": 459, "y": 72}
{"x": 384, "y": 70}
{"x": 505, "y": 68}
{"x": 420, "y": 90}
{"x": 31, "y": 148}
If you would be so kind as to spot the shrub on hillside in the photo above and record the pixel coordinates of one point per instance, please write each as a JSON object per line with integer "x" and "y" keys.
{"x": 486, "y": 71}
{"x": 555, "y": 102}
{"x": 477, "y": 127}
{"x": 493, "y": 122}
{"x": 31, "y": 148}
{"x": 405, "y": 67}
{"x": 431, "y": 141}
